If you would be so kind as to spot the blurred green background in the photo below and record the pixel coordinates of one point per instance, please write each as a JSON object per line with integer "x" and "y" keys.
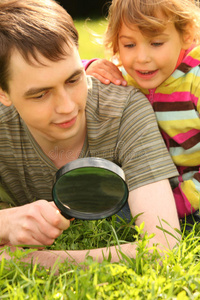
{"x": 90, "y": 37}
{"x": 90, "y": 20}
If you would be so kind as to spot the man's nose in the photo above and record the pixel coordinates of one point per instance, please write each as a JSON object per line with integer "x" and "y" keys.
{"x": 64, "y": 102}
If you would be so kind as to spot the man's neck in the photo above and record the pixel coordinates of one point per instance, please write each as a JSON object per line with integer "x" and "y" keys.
{"x": 62, "y": 152}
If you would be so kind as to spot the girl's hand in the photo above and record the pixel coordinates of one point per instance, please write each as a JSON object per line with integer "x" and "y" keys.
{"x": 106, "y": 72}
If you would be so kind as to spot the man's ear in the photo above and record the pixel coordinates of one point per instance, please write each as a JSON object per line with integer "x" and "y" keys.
{"x": 4, "y": 98}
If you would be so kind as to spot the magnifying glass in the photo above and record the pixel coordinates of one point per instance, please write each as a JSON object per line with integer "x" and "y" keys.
{"x": 90, "y": 188}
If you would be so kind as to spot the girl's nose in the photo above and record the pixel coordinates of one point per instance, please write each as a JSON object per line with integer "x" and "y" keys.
{"x": 143, "y": 55}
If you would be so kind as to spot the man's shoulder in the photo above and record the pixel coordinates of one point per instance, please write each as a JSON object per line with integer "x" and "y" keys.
{"x": 110, "y": 100}
{"x": 7, "y": 114}
{"x": 98, "y": 88}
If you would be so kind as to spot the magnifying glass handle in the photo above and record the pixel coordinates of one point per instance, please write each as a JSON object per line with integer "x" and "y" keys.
{"x": 65, "y": 215}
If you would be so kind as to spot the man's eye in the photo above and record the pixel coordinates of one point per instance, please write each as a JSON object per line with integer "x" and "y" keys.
{"x": 74, "y": 80}
{"x": 40, "y": 96}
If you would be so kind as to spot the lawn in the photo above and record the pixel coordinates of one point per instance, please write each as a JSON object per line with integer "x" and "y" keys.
{"x": 149, "y": 276}
{"x": 175, "y": 276}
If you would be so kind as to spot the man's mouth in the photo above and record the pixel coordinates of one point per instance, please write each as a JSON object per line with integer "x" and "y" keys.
{"x": 67, "y": 123}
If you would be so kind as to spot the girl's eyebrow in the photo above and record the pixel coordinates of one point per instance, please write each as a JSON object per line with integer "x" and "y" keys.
{"x": 125, "y": 36}
{"x": 36, "y": 90}
{"x": 156, "y": 36}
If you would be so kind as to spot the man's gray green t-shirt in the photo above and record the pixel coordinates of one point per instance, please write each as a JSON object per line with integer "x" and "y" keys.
{"x": 121, "y": 127}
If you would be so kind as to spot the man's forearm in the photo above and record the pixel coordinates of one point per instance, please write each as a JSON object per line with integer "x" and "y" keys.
{"x": 4, "y": 222}
{"x": 48, "y": 258}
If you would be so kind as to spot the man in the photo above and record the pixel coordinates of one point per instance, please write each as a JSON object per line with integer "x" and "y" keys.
{"x": 51, "y": 114}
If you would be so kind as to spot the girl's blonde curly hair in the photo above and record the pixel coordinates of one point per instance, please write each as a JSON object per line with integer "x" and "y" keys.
{"x": 151, "y": 17}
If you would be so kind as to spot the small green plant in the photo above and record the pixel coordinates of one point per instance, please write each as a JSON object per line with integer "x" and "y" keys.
{"x": 95, "y": 234}
{"x": 148, "y": 276}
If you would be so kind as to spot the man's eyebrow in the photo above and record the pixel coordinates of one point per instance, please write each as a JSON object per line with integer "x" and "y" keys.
{"x": 34, "y": 90}
{"x": 77, "y": 72}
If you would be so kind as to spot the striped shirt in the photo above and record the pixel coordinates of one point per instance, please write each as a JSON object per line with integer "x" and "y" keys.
{"x": 121, "y": 127}
{"x": 176, "y": 103}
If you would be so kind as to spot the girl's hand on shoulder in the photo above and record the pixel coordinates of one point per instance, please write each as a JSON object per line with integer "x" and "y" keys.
{"x": 106, "y": 72}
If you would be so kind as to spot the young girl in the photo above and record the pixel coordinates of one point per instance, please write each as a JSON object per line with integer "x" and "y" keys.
{"x": 156, "y": 42}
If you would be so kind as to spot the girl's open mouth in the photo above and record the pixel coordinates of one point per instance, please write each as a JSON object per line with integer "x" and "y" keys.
{"x": 146, "y": 74}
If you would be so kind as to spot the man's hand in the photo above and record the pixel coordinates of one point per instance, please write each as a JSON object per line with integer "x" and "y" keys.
{"x": 38, "y": 223}
{"x": 106, "y": 72}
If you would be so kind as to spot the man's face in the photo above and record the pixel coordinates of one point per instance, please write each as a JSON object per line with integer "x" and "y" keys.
{"x": 50, "y": 98}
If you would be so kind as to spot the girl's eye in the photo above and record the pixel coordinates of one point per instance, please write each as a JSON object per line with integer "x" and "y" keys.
{"x": 157, "y": 44}
{"x": 129, "y": 45}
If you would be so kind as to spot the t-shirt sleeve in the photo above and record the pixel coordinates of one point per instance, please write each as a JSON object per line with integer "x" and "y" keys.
{"x": 140, "y": 149}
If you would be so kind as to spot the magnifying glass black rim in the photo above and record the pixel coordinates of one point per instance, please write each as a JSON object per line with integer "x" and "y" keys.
{"x": 90, "y": 162}
{"x": 85, "y": 163}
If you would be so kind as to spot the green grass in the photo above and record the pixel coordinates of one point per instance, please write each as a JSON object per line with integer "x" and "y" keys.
{"x": 175, "y": 276}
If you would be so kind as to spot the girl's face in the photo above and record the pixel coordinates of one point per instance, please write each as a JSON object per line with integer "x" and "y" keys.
{"x": 149, "y": 61}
